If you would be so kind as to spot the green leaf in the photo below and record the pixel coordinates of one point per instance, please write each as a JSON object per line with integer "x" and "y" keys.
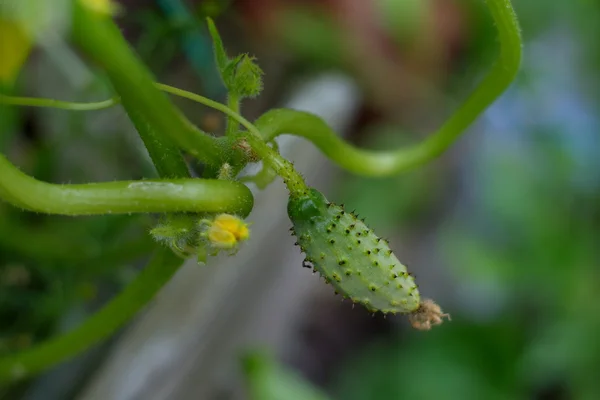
{"x": 15, "y": 45}
{"x": 241, "y": 75}
{"x": 219, "y": 49}
{"x": 269, "y": 381}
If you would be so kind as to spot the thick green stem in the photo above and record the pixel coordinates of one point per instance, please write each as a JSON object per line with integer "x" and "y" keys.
{"x": 282, "y": 167}
{"x": 233, "y": 102}
{"x": 382, "y": 163}
{"x": 179, "y": 195}
{"x": 160, "y": 124}
{"x": 98, "y": 327}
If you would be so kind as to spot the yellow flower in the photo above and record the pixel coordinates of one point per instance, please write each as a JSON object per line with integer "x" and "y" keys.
{"x": 227, "y": 230}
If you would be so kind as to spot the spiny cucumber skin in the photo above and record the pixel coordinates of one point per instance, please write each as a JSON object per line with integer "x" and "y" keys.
{"x": 348, "y": 254}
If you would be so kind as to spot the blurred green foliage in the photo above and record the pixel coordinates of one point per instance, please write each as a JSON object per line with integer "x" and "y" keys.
{"x": 530, "y": 243}
{"x": 55, "y": 270}
{"x": 267, "y": 380}
{"x": 522, "y": 242}
{"x": 397, "y": 201}
{"x": 523, "y": 246}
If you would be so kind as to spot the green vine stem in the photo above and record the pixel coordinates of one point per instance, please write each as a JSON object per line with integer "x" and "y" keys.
{"x": 163, "y": 129}
{"x": 233, "y": 102}
{"x": 111, "y": 317}
{"x": 382, "y": 163}
{"x": 63, "y": 105}
{"x": 161, "y": 125}
{"x": 178, "y": 195}
{"x": 282, "y": 167}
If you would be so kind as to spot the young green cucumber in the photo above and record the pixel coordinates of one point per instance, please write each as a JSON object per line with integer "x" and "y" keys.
{"x": 356, "y": 262}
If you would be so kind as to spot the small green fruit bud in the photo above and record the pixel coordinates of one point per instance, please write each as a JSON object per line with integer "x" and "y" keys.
{"x": 243, "y": 76}
{"x": 355, "y": 261}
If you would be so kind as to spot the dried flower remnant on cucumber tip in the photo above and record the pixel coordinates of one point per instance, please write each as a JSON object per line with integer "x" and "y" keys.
{"x": 427, "y": 315}
{"x": 355, "y": 261}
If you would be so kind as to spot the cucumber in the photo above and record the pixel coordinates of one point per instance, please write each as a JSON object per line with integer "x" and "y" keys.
{"x": 350, "y": 256}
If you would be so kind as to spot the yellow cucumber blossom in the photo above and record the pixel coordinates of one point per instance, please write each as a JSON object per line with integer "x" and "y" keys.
{"x": 226, "y": 231}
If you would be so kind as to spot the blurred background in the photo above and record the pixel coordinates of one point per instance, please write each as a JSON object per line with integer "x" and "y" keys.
{"x": 503, "y": 230}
